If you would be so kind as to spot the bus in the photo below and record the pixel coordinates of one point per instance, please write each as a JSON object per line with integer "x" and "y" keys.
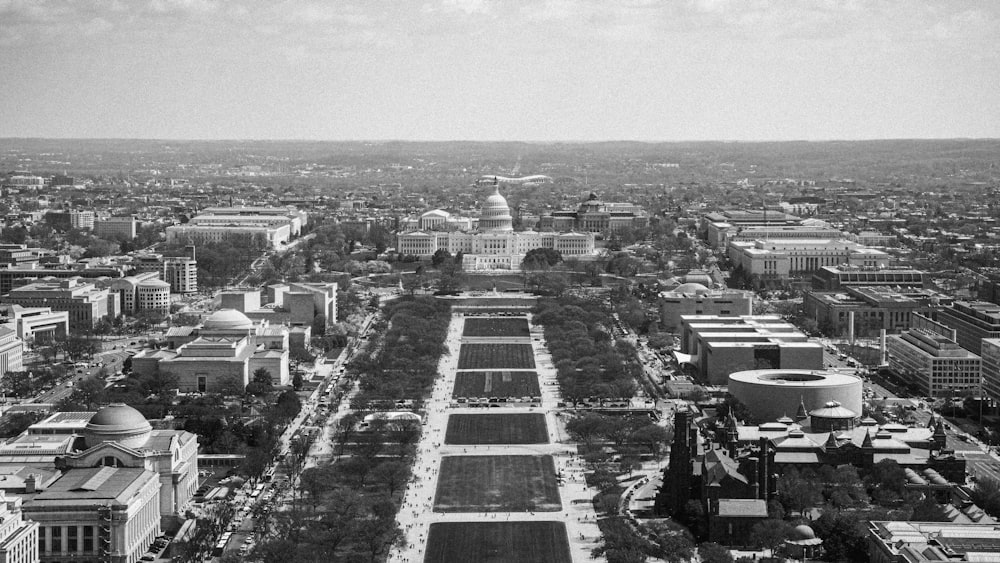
{"x": 220, "y": 545}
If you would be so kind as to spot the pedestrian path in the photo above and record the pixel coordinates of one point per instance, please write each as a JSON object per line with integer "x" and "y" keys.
{"x": 417, "y": 511}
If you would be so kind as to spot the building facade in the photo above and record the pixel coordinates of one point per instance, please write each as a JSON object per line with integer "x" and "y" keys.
{"x": 11, "y": 351}
{"x": 116, "y": 227}
{"x": 182, "y": 274}
{"x": 85, "y": 303}
{"x": 833, "y": 278}
{"x": 495, "y": 245}
{"x": 972, "y": 321}
{"x": 937, "y": 364}
{"x": 18, "y": 537}
{"x": 875, "y": 308}
{"x": 696, "y": 299}
{"x": 717, "y": 346}
{"x": 798, "y": 257}
{"x": 97, "y": 514}
{"x": 990, "y": 357}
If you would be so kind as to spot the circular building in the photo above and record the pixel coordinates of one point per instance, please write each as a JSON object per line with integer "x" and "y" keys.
{"x": 154, "y": 295}
{"x": 832, "y": 417}
{"x": 773, "y": 393}
{"x": 119, "y": 423}
{"x": 802, "y": 542}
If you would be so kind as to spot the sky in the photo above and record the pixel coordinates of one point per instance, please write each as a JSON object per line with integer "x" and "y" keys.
{"x": 533, "y": 70}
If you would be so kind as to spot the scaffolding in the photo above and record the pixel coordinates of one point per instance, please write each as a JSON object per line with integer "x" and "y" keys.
{"x": 104, "y": 539}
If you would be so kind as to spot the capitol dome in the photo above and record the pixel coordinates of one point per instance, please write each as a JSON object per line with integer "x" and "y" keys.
{"x": 118, "y": 423}
{"x": 227, "y": 319}
{"x": 495, "y": 215}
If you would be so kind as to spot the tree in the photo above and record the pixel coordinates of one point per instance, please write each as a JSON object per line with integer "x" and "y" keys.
{"x": 769, "y": 534}
{"x": 928, "y": 510}
{"x": 587, "y": 427}
{"x": 261, "y": 383}
{"x": 440, "y": 256}
{"x": 288, "y": 405}
{"x": 843, "y": 535}
{"x": 297, "y": 380}
{"x": 316, "y": 481}
{"x": 392, "y": 474}
{"x": 319, "y": 325}
{"x": 452, "y": 278}
{"x": 230, "y": 385}
{"x": 886, "y": 481}
{"x": 711, "y": 552}
{"x": 541, "y": 259}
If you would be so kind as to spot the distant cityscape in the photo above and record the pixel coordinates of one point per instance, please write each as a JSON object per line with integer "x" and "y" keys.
{"x": 517, "y": 352}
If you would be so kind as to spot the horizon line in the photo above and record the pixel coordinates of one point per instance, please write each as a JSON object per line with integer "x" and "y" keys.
{"x": 555, "y": 141}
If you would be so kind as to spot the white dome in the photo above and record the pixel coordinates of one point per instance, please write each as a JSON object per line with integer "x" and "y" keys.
{"x": 227, "y": 319}
{"x": 495, "y": 215}
{"x": 118, "y": 423}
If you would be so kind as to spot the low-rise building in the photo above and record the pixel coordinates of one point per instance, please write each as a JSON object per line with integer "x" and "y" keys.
{"x": 784, "y": 258}
{"x": 35, "y": 324}
{"x": 293, "y": 303}
{"x": 934, "y": 362}
{"x": 833, "y": 278}
{"x": 875, "y": 308}
{"x": 18, "y": 537}
{"x": 116, "y": 227}
{"x": 226, "y": 349}
{"x": 85, "y": 303}
{"x": 717, "y": 346}
{"x": 972, "y": 321}
{"x": 97, "y": 514}
{"x": 924, "y": 542}
{"x": 696, "y": 299}
{"x": 991, "y": 367}
{"x": 11, "y": 351}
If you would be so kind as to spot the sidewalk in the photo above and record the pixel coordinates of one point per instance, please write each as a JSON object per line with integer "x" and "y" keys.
{"x": 417, "y": 511}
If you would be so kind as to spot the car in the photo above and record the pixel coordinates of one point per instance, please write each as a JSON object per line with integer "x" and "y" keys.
{"x": 148, "y": 557}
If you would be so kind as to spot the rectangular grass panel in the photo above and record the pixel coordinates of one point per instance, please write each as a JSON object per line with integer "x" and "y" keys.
{"x": 497, "y": 483}
{"x": 496, "y": 356}
{"x": 489, "y": 428}
{"x": 496, "y": 384}
{"x": 501, "y": 328}
{"x": 498, "y": 542}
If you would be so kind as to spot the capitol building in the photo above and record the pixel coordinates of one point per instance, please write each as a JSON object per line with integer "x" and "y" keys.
{"x": 492, "y": 244}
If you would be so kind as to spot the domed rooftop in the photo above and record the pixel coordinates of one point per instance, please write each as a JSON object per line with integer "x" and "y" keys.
{"x": 802, "y": 532}
{"x": 119, "y": 423}
{"x": 833, "y": 409}
{"x": 227, "y": 319}
{"x": 691, "y": 287}
{"x": 698, "y": 276}
{"x": 154, "y": 283}
{"x": 495, "y": 215}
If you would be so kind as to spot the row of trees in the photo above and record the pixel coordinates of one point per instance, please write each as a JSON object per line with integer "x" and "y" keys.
{"x": 589, "y": 363}
{"x": 352, "y": 502}
{"x": 405, "y": 364}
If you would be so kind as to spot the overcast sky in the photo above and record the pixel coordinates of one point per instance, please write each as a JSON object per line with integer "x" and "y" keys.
{"x": 493, "y": 70}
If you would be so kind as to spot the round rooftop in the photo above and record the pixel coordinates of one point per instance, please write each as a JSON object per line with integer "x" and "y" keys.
{"x": 833, "y": 409}
{"x": 119, "y": 423}
{"x": 691, "y": 287}
{"x": 227, "y": 319}
{"x": 802, "y": 532}
{"x": 794, "y": 377}
{"x": 698, "y": 276}
{"x": 154, "y": 283}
